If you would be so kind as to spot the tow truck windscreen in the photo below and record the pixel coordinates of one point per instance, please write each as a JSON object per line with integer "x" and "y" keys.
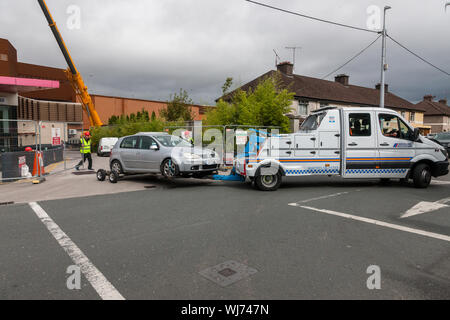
{"x": 312, "y": 122}
{"x": 172, "y": 141}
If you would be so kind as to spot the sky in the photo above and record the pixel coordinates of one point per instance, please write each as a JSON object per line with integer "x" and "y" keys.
{"x": 150, "y": 49}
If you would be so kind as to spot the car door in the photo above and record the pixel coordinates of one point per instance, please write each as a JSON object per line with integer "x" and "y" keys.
{"x": 149, "y": 154}
{"x": 129, "y": 152}
{"x": 396, "y": 148}
{"x": 360, "y": 156}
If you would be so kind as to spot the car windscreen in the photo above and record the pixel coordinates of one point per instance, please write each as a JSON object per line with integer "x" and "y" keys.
{"x": 172, "y": 141}
{"x": 312, "y": 122}
{"x": 443, "y": 136}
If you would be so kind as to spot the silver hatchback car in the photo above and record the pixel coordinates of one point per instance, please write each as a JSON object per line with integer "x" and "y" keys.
{"x": 158, "y": 152}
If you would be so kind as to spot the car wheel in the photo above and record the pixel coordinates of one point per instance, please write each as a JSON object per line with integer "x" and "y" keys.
{"x": 268, "y": 182}
{"x": 113, "y": 177}
{"x": 422, "y": 175}
{"x": 116, "y": 166}
{"x": 169, "y": 168}
{"x": 101, "y": 175}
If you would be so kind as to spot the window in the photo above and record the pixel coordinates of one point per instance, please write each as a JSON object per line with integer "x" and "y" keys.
{"x": 3, "y": 57}
{"x": 313, "y": 121}
{"x": 323, "y": 105}
{"x": 302, "y": 108}
{"x": 146, "y": 142}
{"x": 412, "y": 117}
{"x": 359, "y": 124}
{"x": 172, "y": 141}
{"x": 393, "y": 127}
{"x": 403, "y": 113}
{"x": 129, "y": 143}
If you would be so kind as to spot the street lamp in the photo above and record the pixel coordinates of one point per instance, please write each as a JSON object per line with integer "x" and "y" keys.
{"x": 383, "y": 59}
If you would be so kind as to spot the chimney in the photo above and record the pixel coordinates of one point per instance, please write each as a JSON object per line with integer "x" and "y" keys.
{"x": 342, "y": 79}
{"x": 443, "y": 101}
{"x": 428, "y": 97}
{"x": 286, "y": 68}
{"x": 386, "y": 87}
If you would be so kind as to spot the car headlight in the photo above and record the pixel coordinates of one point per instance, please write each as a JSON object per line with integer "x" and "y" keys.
{"x": 444, "y": 152}
{"x": 191, "y": 156}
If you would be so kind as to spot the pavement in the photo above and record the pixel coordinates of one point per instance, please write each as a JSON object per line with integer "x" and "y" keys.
{"x": 314, "y": 238}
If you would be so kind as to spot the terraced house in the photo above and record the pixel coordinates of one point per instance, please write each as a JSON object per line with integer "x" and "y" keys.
{"x": 437, "y": 114}
{"x": 312, "y": 94}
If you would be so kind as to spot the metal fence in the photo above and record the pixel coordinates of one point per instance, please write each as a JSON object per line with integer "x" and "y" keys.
{"x": 22, "y": 141}
{"x": 227, "y": 141}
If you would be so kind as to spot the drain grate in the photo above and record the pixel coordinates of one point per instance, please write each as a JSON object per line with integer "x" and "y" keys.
{"x": 81, "y": 173}
{"x": 6, "y": 203}
{"x": 149, "y": 187}
{"x": 227, "y": 273}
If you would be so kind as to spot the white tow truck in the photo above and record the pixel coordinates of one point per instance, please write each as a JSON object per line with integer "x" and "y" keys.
{"x": 349, "y": 142}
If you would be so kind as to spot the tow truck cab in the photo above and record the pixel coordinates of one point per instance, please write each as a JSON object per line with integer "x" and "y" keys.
{"x": 350, "y": 142}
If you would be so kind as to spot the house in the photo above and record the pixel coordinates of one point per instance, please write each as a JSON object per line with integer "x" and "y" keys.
{"x": 312, "y": 94}
{"x": 437, "y": 114}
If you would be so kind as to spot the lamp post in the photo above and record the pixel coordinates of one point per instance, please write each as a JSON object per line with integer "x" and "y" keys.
{"x": 383, "y": 59}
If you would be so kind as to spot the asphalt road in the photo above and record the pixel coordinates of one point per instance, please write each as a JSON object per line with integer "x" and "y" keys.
{"x": 153, "y": 243}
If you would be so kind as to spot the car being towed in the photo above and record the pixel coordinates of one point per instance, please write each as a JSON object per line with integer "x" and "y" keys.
{"x": 159, "y": 152}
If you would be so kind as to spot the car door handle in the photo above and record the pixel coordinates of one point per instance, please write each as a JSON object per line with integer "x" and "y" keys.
{"x": 313, "y": 152}
{"x": 352, "y": 144}
{"x": 384, "y": 144}
{"x": 288, "y": 152}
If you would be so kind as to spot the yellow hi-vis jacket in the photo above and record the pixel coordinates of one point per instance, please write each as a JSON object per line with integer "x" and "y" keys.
{"x": 85, "y": 146}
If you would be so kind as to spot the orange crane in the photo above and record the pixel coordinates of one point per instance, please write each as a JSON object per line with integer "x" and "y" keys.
{"x": 72, "y": 73}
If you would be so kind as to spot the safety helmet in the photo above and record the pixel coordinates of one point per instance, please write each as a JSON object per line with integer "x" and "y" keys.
{"x": 87, "y": 134}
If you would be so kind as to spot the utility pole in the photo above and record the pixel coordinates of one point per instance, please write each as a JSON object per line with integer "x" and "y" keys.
{"x": 293, "y": 53}
{"x": 383, "y": 59}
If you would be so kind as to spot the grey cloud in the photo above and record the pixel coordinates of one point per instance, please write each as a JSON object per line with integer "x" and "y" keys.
{"x": 150, "y": 49}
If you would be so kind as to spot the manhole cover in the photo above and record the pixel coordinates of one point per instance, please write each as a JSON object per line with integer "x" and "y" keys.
{"x": 227, "y": 273}
{"x": 81, "y": 173}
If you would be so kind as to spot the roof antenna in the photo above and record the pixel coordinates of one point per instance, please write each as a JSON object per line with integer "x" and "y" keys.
{"x": 277, "y": 58}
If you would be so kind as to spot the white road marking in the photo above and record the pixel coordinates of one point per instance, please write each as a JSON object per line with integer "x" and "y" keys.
{"x": 379, "y": 223}
{"x": 322, "y": 197}
{"x": 439, "y": 182}
{"x": 425, "y": 207}
{"x": 104, "y": 288}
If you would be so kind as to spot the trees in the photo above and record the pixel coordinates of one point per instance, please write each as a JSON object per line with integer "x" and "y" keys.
{"x": 266, "y": 105}
{"x": 178, "y": 108}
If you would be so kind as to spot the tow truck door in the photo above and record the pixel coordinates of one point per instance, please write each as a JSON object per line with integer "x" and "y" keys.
{"x": 360, "y": 145}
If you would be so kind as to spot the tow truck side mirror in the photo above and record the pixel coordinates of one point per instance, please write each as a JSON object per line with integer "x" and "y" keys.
{"x": 416, "y": 134}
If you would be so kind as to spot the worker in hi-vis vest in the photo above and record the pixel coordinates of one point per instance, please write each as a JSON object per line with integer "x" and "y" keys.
{"x": 85, "y": 150}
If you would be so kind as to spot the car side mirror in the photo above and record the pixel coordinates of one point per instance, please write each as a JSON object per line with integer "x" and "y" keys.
{"x": 154, "y": 147}
{"x": 416, "y": 134}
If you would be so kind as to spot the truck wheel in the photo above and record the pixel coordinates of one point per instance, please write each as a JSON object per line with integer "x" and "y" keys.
{"x": 268, "y": 183}
{"x": 101, "y": 175}
{"x": 113, "y": 177}
{"x": 169, "y": 168}
{"x": 116, "y": 166}
{"x": 422, "y": 175}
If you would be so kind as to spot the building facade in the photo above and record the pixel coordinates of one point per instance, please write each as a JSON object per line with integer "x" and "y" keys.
{"x": 106, "y": 106}
{"x": 437, "y": 114}
{"x": 312, "y": 94}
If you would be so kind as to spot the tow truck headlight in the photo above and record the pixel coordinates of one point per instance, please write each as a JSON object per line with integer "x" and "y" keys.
{"x": 191, "y": 156}
{"x": 444, "y": 152}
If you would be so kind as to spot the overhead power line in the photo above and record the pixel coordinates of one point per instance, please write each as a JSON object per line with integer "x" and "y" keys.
{"x": 311, "y": 17}
{"x": 353, "y": 58}
{"x": 419, "y": 57}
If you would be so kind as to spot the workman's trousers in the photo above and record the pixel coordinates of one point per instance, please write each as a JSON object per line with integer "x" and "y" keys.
{"x": 88, "y": 157}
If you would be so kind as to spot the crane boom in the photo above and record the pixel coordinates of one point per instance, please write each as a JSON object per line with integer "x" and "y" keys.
{"x": 72, "y": 73}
